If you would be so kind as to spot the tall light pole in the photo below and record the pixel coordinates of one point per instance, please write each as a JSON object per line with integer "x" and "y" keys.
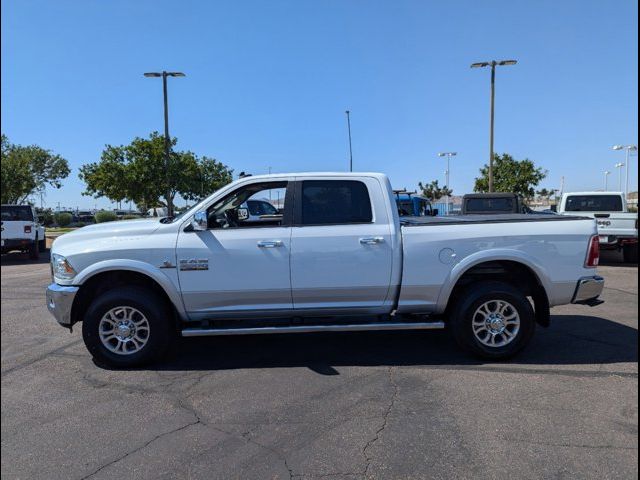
{"x": 164, "y": 76}
{"x": 447, "y": 172}
{"x": 349, "y": 130}
{"x": 619, "y": 166}
{"x": 606, "y": 174}
{"x": 627, "y": 148}
{"x": 492, "y": 64}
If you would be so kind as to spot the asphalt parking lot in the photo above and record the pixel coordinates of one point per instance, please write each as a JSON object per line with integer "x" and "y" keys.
{"x": 352, "y": 405}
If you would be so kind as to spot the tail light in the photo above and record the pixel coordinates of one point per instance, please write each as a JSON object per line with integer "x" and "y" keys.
{"x": 593, "y": 254}
{"x": 27, "y": 229}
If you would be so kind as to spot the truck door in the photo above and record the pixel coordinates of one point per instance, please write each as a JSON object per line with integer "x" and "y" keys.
{"x": 240, "y": 264}
{"x": 341, "y": 248}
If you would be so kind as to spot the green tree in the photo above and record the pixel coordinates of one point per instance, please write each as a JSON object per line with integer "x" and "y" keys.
{"x": 136, "y": 172}
{"x": 63, "y": 219}
{"x": 433, "y": 191}
{"x": 545, "y": 194}
{"x": 510, "y": 175}
{"x": 27, "y": 170}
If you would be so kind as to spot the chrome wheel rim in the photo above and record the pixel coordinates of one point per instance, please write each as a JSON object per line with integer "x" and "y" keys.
{"x": 496, "y": 323}
{"x": 124, "y": 330}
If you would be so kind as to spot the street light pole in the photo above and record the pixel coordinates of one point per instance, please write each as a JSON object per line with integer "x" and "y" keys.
{"x": 349, "y": 130}
{"x": 619, "y": 166}
{"x": 448, "y": 155}
{"x": 628, "y": 149}
{"x": 606, "y": 174}
{"x": 167, "y": 142}
{"x": 492, "y": 64}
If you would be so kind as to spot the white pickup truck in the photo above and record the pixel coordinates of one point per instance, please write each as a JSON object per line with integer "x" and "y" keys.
{"x": 618, "y": 229}
{"x": 336, "y": 258}
{"x": 21, "y": 230}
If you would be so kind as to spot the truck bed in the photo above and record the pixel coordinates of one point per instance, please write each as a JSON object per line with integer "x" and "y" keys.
{"x": 489, "y": 218}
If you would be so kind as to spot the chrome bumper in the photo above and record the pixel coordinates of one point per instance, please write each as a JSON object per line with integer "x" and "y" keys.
{"x": 588, "y": 290}
{"x": 59, "y": 302}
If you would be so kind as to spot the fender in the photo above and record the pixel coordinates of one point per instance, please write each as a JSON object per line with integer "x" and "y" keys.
{"x": 488, "y": 256}
{"x": 136, "y": 266}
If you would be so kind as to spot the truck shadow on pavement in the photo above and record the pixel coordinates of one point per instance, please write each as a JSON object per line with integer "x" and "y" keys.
{"x": 571, "y": 340}
{"x": 18, "y": 258}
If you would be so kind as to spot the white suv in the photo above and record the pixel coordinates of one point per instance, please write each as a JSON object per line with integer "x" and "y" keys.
{"x": 21, "y": 230}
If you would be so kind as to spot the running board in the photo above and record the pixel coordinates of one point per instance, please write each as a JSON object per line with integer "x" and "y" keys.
{"x": 203, "y": 332}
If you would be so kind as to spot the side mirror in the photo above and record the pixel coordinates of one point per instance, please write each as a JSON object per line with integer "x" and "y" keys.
{"x": 243, "y": 214}
{"x": 434, "y": 212}
{"x": 199, "y": 222}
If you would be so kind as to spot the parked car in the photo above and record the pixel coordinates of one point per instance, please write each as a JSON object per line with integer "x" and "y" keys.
{"x": 338, "y": 259}
{"x": 410, "y": 204}
{"x": 617, "y": 227}
{"x": 493, "y": 203}
{"x": 22, "y": 231}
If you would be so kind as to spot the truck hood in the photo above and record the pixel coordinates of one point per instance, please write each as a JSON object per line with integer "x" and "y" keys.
{"x": 92, "y": 236}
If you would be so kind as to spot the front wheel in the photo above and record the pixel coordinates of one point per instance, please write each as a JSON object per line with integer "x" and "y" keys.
{"x": 126, "y": 327}
{"x": 492, "y": 320}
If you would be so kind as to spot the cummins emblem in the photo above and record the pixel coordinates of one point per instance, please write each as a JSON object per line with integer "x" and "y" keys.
{"x": 194, "y": 264}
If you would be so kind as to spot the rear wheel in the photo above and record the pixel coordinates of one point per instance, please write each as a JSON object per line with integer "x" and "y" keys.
{"x": 43, "y": 245}
{"x": 492, "y": 320}
{"x": 34, "y": 250}
{"x": 126, "y": 327}
{"x": 630, "y": 253}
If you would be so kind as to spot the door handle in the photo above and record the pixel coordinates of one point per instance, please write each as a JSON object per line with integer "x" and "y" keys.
{"x": 270, "y": 243}
{"x": 371, "y": 240}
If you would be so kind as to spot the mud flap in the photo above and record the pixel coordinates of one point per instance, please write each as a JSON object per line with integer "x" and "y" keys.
{"x": 541, "y": 305}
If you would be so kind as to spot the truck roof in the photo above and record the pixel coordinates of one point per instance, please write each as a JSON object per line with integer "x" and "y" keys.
{"x": 318, "y": 174}
{"x": 593, "y": 193}
{"x": 492, "y": 195}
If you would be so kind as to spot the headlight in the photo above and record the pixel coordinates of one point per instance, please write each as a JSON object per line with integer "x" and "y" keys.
{"x": 61, "y": 267}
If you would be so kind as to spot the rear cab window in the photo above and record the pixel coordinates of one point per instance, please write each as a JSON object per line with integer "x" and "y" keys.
{"x": 489, "y": 205}
{"x": 593, "y": 203}
{"x": 19, "y": 213}
{"x": 335, "y": 202}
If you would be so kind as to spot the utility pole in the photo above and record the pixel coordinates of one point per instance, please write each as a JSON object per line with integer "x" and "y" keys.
{"x": 492, "y": 64}
{"x": 349, "y": 130}
{"x": 606, "y": 175}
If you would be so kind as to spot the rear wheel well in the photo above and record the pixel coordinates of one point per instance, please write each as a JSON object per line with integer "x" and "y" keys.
{"x": 105, "y": 281}
{"x": 516, "y": 274}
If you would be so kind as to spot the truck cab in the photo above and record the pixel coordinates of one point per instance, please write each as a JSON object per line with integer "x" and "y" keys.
{"x": 493, "y": 203}
{"x": 412, "y": 205}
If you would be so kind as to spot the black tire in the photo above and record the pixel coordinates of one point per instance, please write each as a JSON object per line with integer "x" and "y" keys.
{"x": 467, "y": 304}
{"x": 43, "y": 245}
{"x": 146, "y": 302}
{"x": 34, "y": 250}
{"x": 630, "y": 253}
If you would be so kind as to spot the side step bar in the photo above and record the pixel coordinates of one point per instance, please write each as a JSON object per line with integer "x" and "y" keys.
{"x": 203, "y": 332}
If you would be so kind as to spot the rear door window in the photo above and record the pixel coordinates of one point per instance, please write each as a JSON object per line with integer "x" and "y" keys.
{"x": 334, "y": 202}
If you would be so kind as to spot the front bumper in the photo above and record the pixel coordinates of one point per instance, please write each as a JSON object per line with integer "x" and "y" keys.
{"x": 587, "y": 291}
{"x": 59, "y": 302}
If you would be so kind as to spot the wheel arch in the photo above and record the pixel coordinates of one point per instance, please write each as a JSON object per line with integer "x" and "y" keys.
{"x": 107, "y": 275}
{"x": 523, "y": 273}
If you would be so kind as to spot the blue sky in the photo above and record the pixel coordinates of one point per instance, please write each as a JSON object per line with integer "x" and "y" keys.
{"x": 268, "y": 83}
